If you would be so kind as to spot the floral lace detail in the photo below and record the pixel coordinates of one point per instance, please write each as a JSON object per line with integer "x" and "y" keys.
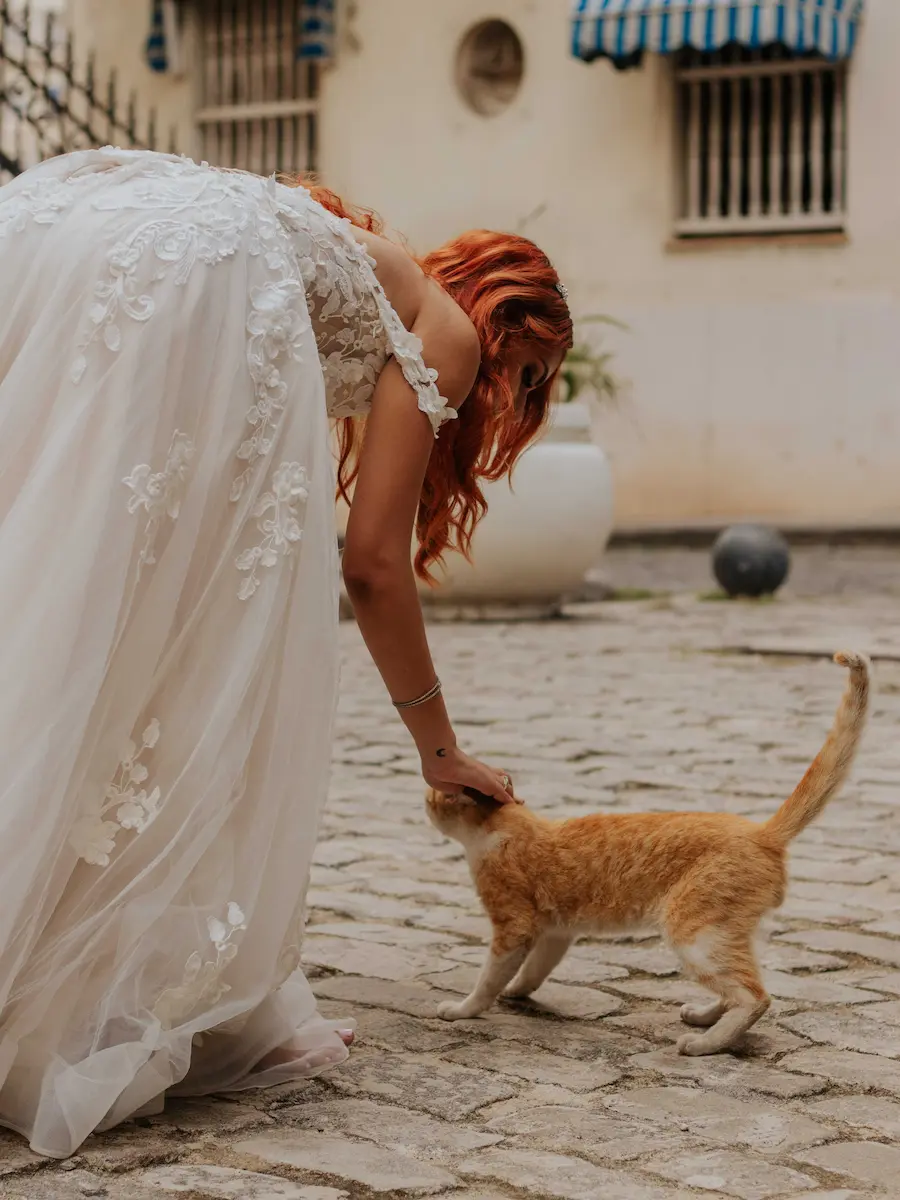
{"x": 199, "y": 215}
{"x": 201, "y": 982}
{"x": 423, "y": 380}
{"x": 355, "y": 324}
{"x": 276, "y": 515}
{"x": 43, "y": 203}
{"x": 350, "y": 336}
{"x": 159, "y": 493}
{"x": 277, "y": 323}
{"x": 93, "y": 837}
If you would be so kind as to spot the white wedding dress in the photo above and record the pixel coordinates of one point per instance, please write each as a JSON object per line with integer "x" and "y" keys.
{"x": 173, "y": 342}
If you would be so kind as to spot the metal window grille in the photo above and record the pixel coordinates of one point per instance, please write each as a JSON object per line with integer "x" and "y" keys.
{"x": 259, "y": 96}
{"x": 50, "y": 101}
{"x": 761, "y": 142}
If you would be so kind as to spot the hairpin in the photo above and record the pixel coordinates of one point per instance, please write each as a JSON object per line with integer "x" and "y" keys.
{"x": 563, "y": 290}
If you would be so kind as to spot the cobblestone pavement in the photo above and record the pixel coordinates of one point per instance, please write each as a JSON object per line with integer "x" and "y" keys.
{"x": 664, "y": 703}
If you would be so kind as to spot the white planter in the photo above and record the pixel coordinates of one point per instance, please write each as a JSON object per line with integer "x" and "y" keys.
{"x": 540, "y": 537}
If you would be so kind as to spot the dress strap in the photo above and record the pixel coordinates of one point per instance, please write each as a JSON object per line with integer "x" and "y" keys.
{"x": 407, "y": 350}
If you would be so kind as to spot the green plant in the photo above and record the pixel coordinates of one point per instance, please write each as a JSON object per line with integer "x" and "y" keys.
{"x": 586, "y": 367}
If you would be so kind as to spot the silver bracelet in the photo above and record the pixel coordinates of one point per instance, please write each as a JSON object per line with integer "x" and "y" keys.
{"x": 434, "y": 690}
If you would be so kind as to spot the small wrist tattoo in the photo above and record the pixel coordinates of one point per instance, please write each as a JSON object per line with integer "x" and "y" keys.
{"x": 441, "y": 753}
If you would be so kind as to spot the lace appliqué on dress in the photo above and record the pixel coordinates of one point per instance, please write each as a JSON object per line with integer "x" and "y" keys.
{"x": 159, "y": 493}
{"x": 276, "y": 514}
{"x": 93, "y": 837}
{"x": 356, "y": 326}
{"x": 207, "y": 223}
{"x": 42, "y": 203}
{"x": 201, "y": 982}
{"x": 276, "y": 326}
{"x": 407, "y": 350}
{"x": 423, "y": 380}
{"x": 199, "y": 215}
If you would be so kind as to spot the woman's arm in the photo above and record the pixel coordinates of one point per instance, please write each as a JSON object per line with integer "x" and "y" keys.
{"x": 377, "y": 567}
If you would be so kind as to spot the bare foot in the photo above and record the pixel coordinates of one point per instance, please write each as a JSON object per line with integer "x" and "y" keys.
{"x": 290, "y": 1054}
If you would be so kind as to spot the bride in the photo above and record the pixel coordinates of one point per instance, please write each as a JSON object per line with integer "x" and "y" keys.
{"x": 174, "y": 340}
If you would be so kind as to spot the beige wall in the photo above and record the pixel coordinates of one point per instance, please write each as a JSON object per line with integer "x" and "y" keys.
{"x": 762, "y": 378}
{"x": 116, "y": 30}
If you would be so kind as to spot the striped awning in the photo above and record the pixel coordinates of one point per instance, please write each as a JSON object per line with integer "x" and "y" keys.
{"x": 162, "y": 49}
{"x": 317, "y": 19}
{"x": 622, "y": 29}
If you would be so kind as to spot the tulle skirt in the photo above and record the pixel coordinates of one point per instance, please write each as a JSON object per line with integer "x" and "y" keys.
{"x": 168, "y": 643}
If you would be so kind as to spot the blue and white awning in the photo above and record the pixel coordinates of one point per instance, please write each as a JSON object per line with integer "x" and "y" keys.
{"x": 317, "y": 19}
{"x": 622, "y": 29}
{"x": 162, "y": 50}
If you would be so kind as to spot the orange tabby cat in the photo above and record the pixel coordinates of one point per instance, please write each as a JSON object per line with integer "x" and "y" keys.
{"x": 703, "y": 879}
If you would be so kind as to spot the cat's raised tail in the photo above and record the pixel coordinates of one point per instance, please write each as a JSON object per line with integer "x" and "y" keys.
{"x": 831, "y": 765}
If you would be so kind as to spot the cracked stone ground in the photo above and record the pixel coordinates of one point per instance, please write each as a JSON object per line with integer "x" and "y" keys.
{"x": 670, "y": 702}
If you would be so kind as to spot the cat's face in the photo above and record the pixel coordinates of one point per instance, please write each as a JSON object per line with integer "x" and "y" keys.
{"x": 457, "y": 816}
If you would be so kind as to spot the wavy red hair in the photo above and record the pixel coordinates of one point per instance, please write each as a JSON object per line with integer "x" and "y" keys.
{"x": 509, "y": 289}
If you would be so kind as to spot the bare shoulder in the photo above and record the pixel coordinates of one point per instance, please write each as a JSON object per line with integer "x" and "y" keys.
{"x": 450, "y": 342}
{"x": 402, "y": 278}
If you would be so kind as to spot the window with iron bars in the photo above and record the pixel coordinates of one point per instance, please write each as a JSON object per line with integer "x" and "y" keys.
{"x": 259, "y": 100}
{"x": 761, "y": 142}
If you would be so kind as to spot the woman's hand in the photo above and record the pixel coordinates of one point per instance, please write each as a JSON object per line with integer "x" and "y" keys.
{"x": 456, "y": 770}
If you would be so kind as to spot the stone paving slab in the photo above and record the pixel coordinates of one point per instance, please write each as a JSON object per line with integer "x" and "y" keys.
{"x": 228, "y": 1183}
{"x": 872, "y": 1163}
{"x": 622, "y": 706}
{"x": 730, "y": 1173}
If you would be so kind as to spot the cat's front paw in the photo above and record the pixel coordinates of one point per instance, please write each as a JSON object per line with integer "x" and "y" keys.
{"x": 694, "y": 1044}
{"x": 450, "y": 1010}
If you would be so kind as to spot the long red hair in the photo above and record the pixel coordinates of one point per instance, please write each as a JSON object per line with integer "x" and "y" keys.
{"x": 509, "y": 290}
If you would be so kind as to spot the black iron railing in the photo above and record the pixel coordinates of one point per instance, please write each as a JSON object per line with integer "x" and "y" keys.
{"x": 50, "y": 103}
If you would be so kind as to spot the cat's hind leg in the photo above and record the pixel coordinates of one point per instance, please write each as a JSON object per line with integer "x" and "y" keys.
{"x": 723, "y": 961}
{"x": 702, "y": 1015}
